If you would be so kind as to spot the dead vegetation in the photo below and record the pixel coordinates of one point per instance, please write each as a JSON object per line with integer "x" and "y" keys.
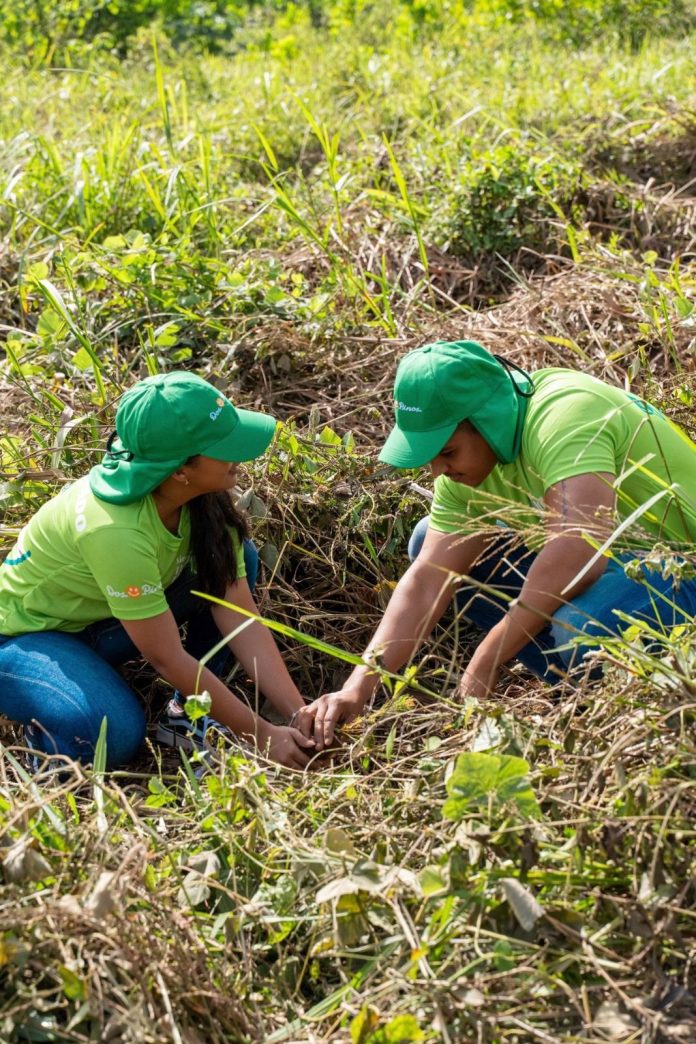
{"x": 154, "y": 906}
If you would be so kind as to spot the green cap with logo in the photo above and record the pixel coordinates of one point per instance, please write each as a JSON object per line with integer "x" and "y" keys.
{"x": 442, "y": 384}
{"x": 164, "y": 420}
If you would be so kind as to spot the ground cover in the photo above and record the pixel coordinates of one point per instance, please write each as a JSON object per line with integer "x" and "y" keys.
{"x": 288, "y": 215}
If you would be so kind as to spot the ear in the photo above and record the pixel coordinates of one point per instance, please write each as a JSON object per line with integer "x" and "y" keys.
{"x": 181, "y": 475}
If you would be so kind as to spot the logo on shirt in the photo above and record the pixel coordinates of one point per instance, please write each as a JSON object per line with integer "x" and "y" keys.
{"x": 18, "y": 560}
{"x": 216, "y": 413}
{"x": 133, "y": 591}
{"x": 20, "y": 555}
{"x": 80, "y": 517}
{"x": 406, "y": 409}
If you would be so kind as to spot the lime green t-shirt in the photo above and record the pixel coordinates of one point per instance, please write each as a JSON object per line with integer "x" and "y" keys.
{"x": 80, "y": 560}
{"x": 575, "y": 425}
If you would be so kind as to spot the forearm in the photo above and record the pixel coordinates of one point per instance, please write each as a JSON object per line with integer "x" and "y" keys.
{"x": 418, "y": 602}
{"x": 551, "y": 574}
{"x": 255, "y": 649}
{"x": 184, "y": 673}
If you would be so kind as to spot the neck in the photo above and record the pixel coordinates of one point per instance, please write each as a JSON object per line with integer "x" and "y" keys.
{"x": 169, "y": 500}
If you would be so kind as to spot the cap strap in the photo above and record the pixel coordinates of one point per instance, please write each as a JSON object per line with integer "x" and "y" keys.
{"x": 510, "y": 366}
{"x": 116, "y": 454}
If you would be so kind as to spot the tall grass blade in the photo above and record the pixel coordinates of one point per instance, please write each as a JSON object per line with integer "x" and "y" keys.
{"x": 55, "y": 299}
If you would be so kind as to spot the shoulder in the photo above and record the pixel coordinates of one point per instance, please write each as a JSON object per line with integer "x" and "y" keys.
{"x": 89, "y": 516}
{"x": 564, "y": 399}
{"x": 556, "y": 382}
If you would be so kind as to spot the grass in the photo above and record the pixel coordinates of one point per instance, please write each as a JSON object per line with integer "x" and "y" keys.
{"x": 291, "y": 217}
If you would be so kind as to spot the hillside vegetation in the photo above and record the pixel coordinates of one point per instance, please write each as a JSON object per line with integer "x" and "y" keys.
{"x": 286, "y": 197}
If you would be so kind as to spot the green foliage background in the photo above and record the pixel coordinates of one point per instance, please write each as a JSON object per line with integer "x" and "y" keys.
{"x": 52, "y": 31}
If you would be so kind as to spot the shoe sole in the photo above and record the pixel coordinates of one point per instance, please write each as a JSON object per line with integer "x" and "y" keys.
{"x": 169, "y": 736}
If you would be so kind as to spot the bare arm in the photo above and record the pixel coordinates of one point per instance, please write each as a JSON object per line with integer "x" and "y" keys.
{"x": 159, "y": 642}
{"x": 256, "y": 650}
{"x": 582, "y": 504}
{"x": 418, "y": 602}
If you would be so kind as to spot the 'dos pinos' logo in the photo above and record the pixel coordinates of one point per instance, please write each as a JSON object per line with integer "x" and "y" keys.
{"x": 220, "y": 402}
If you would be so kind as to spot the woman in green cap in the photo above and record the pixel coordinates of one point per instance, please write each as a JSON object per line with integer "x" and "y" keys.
{"x": 103, "y": 574}
{"x": 551, "y": 489}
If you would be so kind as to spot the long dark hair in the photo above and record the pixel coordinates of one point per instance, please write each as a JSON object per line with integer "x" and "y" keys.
{"x": 212, "y": 516}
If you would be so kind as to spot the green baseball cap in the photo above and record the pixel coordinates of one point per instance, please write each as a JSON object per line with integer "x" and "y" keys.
{"x": 442, "y": 384}
{"x": 164, "y": 420}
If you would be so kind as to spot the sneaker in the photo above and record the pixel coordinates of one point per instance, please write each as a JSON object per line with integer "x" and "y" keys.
{"x": 174, "y": 729}
{"x": 32, "y": 761}
{"x": 35, "y": 761}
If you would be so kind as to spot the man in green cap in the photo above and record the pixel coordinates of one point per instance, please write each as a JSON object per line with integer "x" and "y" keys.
{"x": 546, "y": 486}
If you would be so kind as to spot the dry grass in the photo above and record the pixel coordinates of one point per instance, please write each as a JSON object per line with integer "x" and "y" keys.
{"x": 151, "y": 906}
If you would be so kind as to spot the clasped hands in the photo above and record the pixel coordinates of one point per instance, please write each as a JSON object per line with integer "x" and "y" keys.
{"x": 319, "y": 720}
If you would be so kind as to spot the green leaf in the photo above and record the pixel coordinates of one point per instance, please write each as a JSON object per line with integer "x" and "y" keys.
{"x": 114, "y": 243}
{"x": 483, "y": 780}
{"x": 50, "y": 323}
{"x": 328, "y": 437}
{"x": 434, "y": 880}
{"x": 389, "y": 745}
{"x": 363, "y": 1025}
{"x": 198, "y": 706}
{"x": 37, "y": 270}
{"x": 160, "y": 794}
{"x": 74, "y": 987}
{"x": 100, "y": 748}
{"x": 401, "y": 1030}
{"x": 82, "y": 360}
{"x": 166, "y": 335}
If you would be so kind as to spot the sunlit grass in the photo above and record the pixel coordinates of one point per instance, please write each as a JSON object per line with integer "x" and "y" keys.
{"x": 290, "y": 219}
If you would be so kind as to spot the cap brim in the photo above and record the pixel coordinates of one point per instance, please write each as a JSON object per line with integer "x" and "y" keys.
{"x": 413, "y": 449}
{"x": 125, "y": 481}
{"x": 251, "y": 437}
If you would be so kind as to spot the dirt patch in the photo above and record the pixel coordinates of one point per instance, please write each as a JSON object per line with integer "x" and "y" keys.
{"x": 15, "y": 404}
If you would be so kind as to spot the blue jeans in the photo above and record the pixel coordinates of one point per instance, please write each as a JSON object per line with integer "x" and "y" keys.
{"x": 68, "y": 683}
{"x": 590, "y": 615}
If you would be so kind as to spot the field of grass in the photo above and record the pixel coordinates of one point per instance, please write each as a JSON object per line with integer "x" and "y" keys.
{"x": 286, "y": 198}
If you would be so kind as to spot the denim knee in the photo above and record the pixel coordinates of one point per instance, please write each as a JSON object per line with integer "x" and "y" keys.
{"x": 251, "y": 563}
{"x": 77, "y": 735}
{"x": 123, "y": 744}
{"x": 569, "y": 625}
{"x": 417, "y": 537}
{"x": 60, "y": 687}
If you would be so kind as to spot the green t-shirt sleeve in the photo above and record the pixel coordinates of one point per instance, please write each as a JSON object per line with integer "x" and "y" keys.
{"x": 125, "y": 568}
{"x": 451, "y": 510}
{"x": 577, "y": 434}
